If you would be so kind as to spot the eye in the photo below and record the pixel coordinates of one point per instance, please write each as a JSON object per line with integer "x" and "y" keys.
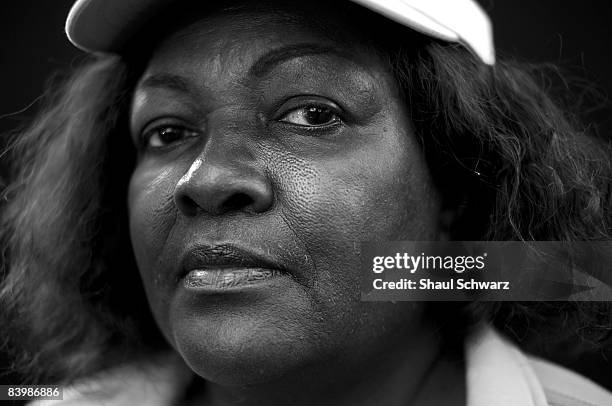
{"x": 164, "y": 135}
{"x": 311, "y": 116}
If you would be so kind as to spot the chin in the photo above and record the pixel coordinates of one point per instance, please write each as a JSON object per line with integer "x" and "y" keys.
{"x": 242, "y": 350}
{"x": 246, "y": 338}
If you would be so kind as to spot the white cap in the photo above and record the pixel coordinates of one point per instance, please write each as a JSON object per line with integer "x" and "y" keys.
{"x": 102, "y": 26}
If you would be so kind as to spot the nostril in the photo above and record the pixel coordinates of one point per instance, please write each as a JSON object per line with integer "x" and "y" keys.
{"x": 237, "y": 201}
{"x": 187, "y": 205}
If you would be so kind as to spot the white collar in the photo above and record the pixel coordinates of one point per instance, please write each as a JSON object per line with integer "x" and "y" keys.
{"x": 498, "y": 373}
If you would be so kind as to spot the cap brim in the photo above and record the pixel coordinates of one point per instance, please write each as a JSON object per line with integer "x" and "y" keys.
{"x": 103, "y": 26}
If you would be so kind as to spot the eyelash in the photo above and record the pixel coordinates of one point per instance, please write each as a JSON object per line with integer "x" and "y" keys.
{"x": 324, "y": 105}
{"x": 307, "y": 109}
{"x": 158, "y": 130}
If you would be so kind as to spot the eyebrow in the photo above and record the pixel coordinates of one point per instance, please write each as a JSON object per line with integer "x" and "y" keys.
{"x": 167, "y": 81}
{"x": 262, "y": 66}
{"x": 278, "y": 55}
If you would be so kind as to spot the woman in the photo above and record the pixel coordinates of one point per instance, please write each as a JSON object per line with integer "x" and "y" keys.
{"x": 217, "y": 168}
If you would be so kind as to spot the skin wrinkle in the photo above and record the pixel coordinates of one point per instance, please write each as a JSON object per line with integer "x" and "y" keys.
{"x": 308, "y": 256}
{"x": 159, "y": 221}
{"x": 278, "y": 187}
{"x": 304, "y": 194}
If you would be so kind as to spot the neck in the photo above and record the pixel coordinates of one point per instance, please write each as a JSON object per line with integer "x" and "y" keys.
{"x": 415, "y": 373}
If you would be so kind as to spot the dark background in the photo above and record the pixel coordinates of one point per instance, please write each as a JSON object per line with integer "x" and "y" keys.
{"x": 574, "y": 35}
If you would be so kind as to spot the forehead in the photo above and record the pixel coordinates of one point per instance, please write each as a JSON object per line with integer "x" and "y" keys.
{"x": 339, "y": 20}
{"x": 239, "y": 31}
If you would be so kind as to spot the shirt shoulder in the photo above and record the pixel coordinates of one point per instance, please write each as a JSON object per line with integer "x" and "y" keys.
{"x": 563, "y": 387}
{"x": 500, "y": 374}
{"x": 159, "y": 382}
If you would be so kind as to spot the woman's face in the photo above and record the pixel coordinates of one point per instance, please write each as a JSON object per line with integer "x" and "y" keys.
{"x": 269, "y": 150}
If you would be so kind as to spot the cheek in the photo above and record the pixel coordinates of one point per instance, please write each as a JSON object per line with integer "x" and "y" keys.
{"x": 376, "y": 190}
{"x": 380, "y": 191}
{"x": 152, "y": 214}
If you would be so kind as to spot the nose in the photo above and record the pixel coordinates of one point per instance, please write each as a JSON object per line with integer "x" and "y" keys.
{"x": 217, "y": 184}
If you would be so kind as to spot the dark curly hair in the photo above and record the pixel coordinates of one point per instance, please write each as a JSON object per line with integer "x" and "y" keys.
{"x": 501, "y": 151}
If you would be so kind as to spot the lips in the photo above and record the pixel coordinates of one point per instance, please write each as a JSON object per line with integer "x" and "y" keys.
{"x": 227, "y": 266}
{"x": 226, "y": 279}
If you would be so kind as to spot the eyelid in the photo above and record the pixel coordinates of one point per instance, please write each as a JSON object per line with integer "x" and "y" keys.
{"x": 143, "y": 136}
{"x": 296, "y": 102}
{"x": 160, "y": 122}
{"x": 334, "y": 121}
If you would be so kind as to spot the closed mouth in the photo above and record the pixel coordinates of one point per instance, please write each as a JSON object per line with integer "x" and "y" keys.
{"x": 226, "y": 266}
